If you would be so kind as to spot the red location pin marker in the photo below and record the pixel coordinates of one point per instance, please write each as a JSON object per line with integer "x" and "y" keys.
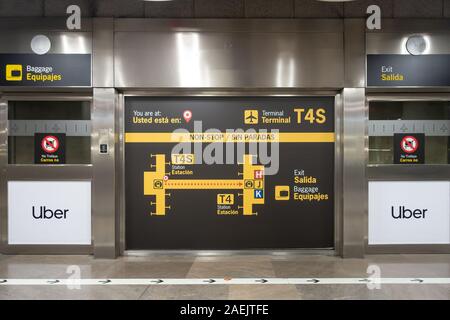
{"x": 187, "y": 115}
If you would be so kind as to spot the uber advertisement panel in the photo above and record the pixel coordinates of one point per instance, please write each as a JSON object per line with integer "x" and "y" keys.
{"x": 229, "y": 173}
{"x": 409, "y": 212}
{"x": 52, "y": 212}
{"x": 50, "y": 70}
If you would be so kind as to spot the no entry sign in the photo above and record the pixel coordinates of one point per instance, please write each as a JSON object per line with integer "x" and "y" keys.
{"x": 409, "y": 148}
{"x": 49, "y": 148}
{"x": 50, "y": 144}
{"x": 409, "y": 144}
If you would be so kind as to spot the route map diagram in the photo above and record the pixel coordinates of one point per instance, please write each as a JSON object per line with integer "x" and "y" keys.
{"x": 229, "y": 173}
{"x": 251, "y": 186}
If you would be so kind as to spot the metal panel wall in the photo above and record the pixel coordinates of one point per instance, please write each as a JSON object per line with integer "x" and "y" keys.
{"x": 392, "y": 40}
{"x": 69, "y": 172}
{"x": 103, "y": 53}
{"x": 104, "y": 188}
{"x": 16, "y": 35}
{"x": 354, "y": 179}
{"x": 392, "y": 172}
{"x": 3, "y": 164}
{"x": 105, "y": 195}
{"x": 258, "y": 55}
{"x": 353, "y": 115}
{"x": 354, "y": 51}
{"x": 230, "y": 54}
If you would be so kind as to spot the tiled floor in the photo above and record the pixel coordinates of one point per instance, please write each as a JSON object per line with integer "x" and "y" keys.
{"x": 237, "y": 266}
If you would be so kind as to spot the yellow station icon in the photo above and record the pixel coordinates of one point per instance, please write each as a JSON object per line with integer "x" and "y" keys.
{"x": 13, "y": 72}
{"x": 251, "y": 116}
{"x": 282, "y": 193}
{"x": 225, "y": 198}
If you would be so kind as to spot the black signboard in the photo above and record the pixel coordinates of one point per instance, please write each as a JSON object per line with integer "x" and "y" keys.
{"x": 250, "y": 173}
{"x": 409, "y": 148}
{"x": 49, "y": 70}
{"x": 103, "y": 148}
{"x": 396, "y": 70}
{"x": 49, "y": 148}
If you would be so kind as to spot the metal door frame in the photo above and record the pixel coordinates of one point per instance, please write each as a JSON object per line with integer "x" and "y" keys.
{"x": 393, "y": 172}
{"x": 338, "y": 192}
{"x": 33, "y": 172}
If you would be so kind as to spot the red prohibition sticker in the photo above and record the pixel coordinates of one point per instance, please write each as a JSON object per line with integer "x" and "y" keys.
{"x": 409, "y": 144}
{"x": 50, "y": 144}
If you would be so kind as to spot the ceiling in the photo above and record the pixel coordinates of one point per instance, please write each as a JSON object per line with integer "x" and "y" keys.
{"x": 226, "y": 8}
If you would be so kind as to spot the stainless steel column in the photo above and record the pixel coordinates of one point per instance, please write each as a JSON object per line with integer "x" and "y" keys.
{"x": 104, "y": 195}
{"x": 3, "y": 164}
{"x": 105, "y": 222}
{"x": 354, "y": 184}
{"x": 354, "y": 178}
{"x": 103, "y": 52}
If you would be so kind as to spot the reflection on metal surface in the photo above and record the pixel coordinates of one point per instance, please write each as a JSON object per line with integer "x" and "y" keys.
{"x": 338, "y": 175}
{"x": 104, "y": 181}
{"x": 3, "y": 164}
{"x": 64, "y": 42}
{"x": 190, "y": 71}
{"x": 389, "y": 127}
{"x": 354, "y": 180}
{"x": 248, "y": 59}
{"x": 413, "y": 26}
{"x": 285, "y": 71}
{"x": 76, "y": 128}
{"x": 82, "y": 43}
{"x": 392, "y": 172}
{"x": 395, "y": 43}
{"x": 61, "y": 42}
{"x": 103, "y": 53}
{"x": 45, "y": 172}
{"x": 355, "y": 53}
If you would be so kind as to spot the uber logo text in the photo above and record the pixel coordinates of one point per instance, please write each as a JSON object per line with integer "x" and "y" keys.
{"x": 404, "y": 213}
{"x": 44, "y": 213}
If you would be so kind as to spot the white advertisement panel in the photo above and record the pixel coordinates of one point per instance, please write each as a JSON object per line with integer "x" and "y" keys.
{"x": 49, "y": 212}
{"x": 409, "y": 212}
